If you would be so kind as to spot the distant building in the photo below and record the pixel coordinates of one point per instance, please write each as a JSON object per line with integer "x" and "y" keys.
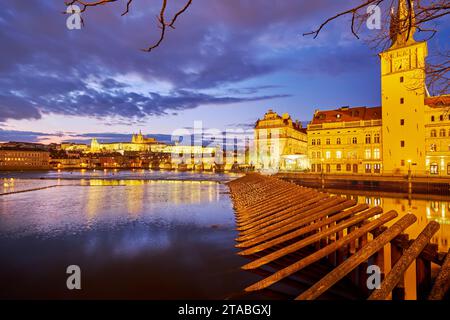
{"x": 346, "y": 140}
{"x": 74, "y": 147}
{"x": 23, "y": 159}
{"x": 138, "y": 143}
{"x": 140, "y": 152}
{"x": 280, "y": 143}
{"x": 140, "y": 139}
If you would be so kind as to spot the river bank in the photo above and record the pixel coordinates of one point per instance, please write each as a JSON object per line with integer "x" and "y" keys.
{"x": 390, "y": 184}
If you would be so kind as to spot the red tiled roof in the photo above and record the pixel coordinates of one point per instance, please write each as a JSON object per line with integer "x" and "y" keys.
{"x": 346, "y": 114}
{"x": 439, "y": 101}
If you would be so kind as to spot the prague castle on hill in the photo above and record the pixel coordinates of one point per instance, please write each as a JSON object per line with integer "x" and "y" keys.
{"x": 409, "y": 133}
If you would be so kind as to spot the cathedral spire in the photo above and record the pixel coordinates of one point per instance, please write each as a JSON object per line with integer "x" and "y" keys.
{"x": 402, "y": 26}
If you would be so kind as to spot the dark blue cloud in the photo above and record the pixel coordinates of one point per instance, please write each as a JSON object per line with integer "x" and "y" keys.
{"x": 45, "y": 68}
{"x": 217, "y": 45}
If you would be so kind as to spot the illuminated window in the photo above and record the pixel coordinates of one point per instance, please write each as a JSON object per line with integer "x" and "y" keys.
{"x": 368, "y": 168}
{"x": 338, "y": 154}
{"x": 376, "y": 153}
{"x": 434, "y": 168}
{"x": 328, "y": 155}
{"x": 367, "y": 154}
{"x": 377, "y": 168}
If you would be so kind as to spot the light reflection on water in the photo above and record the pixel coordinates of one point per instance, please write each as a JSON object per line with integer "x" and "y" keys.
{"x": 132, "y": 239}
{"x": 96, "y": 203}
{"x": 425, "y": 211}
{"x": 106, "y": 174}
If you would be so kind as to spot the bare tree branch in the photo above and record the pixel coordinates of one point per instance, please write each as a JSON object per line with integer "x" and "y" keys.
{"x": 161, "y": 18}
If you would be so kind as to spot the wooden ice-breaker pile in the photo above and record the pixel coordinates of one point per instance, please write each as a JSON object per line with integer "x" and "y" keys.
{"x": 320, "y": 246}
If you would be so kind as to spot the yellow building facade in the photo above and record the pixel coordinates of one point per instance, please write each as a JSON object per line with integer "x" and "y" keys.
{"x": 346, "y": 140}
{"x": 23, "y": 159}
{"x": 280, "y": 143}
{"x": 437, "y": 136}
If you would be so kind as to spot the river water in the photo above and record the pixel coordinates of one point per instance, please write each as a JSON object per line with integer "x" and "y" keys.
{"x": 156, "y": 236}
{"x": 139, "y": 234}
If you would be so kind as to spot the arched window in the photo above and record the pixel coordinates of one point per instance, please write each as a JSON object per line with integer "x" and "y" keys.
{"x": 442, "y": 133}
{"x": 433, "y": 133}
{"x": 376, "y": 138}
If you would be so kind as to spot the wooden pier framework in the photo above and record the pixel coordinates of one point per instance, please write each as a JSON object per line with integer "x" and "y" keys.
{"x": 320, "y": 246}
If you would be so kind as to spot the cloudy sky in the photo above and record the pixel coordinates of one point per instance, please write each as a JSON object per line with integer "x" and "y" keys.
{"x": 225, "y": 64}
